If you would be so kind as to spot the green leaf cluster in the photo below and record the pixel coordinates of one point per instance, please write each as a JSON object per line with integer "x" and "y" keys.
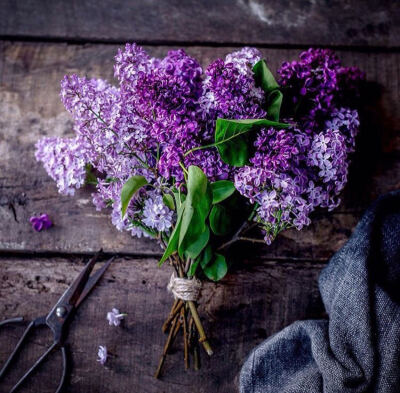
{"x": 200, "y": 217}
{"x": 232, "y": 138}
{"x": 264, "y": 78}
{"x": 129, "y": 189}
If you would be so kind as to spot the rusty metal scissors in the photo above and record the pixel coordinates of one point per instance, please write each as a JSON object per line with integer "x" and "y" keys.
{"x": 57, "y": 320}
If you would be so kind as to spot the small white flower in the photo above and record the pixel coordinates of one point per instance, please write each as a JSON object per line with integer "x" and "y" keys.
{"x": 114, "y": 317}
{"x": 102, "y": 354}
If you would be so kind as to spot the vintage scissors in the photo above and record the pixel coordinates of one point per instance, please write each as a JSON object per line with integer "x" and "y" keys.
{"x": 57, "y": 320}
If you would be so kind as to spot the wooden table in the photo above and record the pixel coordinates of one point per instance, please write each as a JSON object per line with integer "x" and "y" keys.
{"x": 268, "y": 287}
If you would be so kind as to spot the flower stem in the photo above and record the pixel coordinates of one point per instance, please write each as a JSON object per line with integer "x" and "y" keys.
{"x": 243, "y": 228}
{"x": 200, "y": 329}
{"x": 178, "y": 304}
{"x": 185, "y": 338}
{"x": 166, "y": 347}
{"x": 250, "y": 239}
{"x": 196, "y": 318}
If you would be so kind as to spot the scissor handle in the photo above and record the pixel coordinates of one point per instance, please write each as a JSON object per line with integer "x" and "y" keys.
{"x": 37, "y": 322}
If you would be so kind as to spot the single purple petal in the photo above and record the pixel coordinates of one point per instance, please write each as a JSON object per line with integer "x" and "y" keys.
{"x": 41, "y": 222}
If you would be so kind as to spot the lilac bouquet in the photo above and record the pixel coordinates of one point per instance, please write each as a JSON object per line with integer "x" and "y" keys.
{"x": 194, "y": 158}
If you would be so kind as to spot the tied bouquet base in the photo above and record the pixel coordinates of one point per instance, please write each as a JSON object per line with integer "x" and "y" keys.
{"x": 196, "y": 158}
{"x": 185, "y": 318}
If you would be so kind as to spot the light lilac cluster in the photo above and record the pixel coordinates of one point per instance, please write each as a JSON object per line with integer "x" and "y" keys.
{"x": 163, "y": 110}
{"x": 64, "y": 160}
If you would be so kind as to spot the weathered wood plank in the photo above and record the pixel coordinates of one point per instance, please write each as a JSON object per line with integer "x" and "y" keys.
{"x": 29, "y": 87}
{"x": 362, "y": 23}
{"x": 256, "y": 300}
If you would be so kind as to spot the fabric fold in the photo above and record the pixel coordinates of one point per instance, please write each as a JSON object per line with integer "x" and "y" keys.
{"x": 358, "y": 348}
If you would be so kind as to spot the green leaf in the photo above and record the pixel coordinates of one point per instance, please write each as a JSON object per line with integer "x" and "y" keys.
{"x": 220, "y": 222}
{"x": 90, "y": 177}
{"x": 195, "y": 247}
{"x": 168, "y": 201}
{"x": 221, "y": 190}
{"x": 173, "y": 242}
{"x": 130, "y": 188}
{"x": 194, "y": 234}
{"x": 217, "y": 269}
{"x": 179, "y": 199}
{"x": 263, "y": 77}
{"x": 193, "y": 267}
{"x": 231, "y": 138}
{"x": 203, "y": 259}
{"x": 206, "y": 256}
{"x": 274, "y": 102}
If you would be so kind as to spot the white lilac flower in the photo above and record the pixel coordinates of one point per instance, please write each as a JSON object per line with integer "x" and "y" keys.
{"x": 114, "y": 317}
{"x": 156, "y": 215}
{"x": 102, "y": 354}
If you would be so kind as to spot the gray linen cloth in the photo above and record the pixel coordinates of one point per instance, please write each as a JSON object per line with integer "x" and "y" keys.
{"x": 358, "y": 348}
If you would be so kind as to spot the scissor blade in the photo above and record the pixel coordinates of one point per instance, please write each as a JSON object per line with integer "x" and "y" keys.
{"x": 72, "y": 294}
{"x": 92, "y": 282}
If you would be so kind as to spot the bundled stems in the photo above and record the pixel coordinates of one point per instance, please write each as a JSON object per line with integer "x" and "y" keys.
{"x": 184, "y": 316}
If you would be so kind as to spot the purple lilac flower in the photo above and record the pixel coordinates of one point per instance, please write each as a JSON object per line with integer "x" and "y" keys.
{"x": 211, "y": 164}
{"x": 316, "y": 83}
{"x": 155, "y": 214}
{"x": 275, "y": 149}
{"x": 64, "y": 161}
{"x": 40, "y": 222}
{"x": 347, "y": 122}
{"x": 328, "y": 154}
{"x": 280, "y": 202}
{"x": 230, "y": 92}
{"x": 102, "y": 355}
{"x": 163, "y": 108}
{"x": 114, "y": 317}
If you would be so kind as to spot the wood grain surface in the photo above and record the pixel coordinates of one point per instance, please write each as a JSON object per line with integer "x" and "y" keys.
{"x": 262, "y": 22}
{"x": 280, "y": 294}
{"x": 268, "y": 287}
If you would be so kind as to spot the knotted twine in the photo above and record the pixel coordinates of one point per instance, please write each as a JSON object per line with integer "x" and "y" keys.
{"x": 184, "y": 288}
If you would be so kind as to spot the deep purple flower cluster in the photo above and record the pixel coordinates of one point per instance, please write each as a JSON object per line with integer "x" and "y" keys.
{"x": 163, "y": 110}
{"x": 316, "y": 85}
{"x": 295, "y": 170}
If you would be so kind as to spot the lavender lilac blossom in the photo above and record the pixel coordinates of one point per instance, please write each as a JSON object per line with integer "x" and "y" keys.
{"x": 163, "y": 108}
{"x": 102, "y": 355}
{"x": 40, "y": 222}
{"x": 114, "y": 317}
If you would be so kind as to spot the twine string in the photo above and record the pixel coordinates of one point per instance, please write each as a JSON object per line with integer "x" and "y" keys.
{"x": 184, "y": 288}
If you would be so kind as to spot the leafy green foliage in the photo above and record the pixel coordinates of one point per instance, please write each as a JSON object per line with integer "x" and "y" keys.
{"x": 221, "y": 190}
{"x": 217, "y": 269}
{"x": 231, "y": 138}
{"x": 173, "y": 241}
{"x": 191, "y": 233}
{"x": 201, "y": 260}
{"x": 129, "y": 189}
{"x": 264, "y": 78}
{"x": 206, "y": 256}
{"x": 169, "y": 201}
{"x": 90, "y": 176}
{"x": 220, "y": 220}
{"x": 274, "y": 103}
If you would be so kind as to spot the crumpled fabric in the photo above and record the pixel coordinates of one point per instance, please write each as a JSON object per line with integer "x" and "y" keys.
{"x": 357, "y": 349}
